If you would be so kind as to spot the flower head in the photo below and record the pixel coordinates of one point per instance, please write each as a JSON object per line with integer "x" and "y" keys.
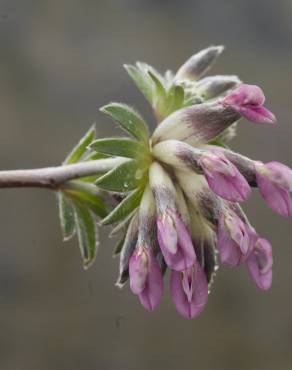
{"x": 179, "y": 190}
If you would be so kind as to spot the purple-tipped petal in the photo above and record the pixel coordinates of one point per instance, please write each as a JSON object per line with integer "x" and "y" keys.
{"x": 189, "y": 291}
{"x": 213, "y": 86}
{"x": 198, "y": 64}
{"x": 167, "y": 231}
{"x": 151, "y": 296}
{"x": 245, "y": 95}
{"x": 236, "y": 239}
{"x": 185, "y": 243}
{"x": 274, "y": 188}
{"x": 196, "y": 124}
{"x": 184, "y": 257}
{"x": 138, "y": 270}
{"x": 234, "y": 189}
{"x": 248, "y": 100}
{"x": 224, "y": 178}
{"x": 257, "y": 114}
{"x": 260, "y": 263}
{"x": 277, "y": 199}
{"x": 230, "y": 254}
{"x": 280, "y": 174}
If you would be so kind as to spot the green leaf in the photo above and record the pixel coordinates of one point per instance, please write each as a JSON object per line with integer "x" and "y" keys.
{"x": 67, "y": 216}
{"x": 81, "y": 147}
{"x": 123, "y": 178}
{"x": 160, "y": 90}
{"x": 142, "y": 80}
{"x": 94, "y": 156}
{"x": 88, "y": 195}
{"x": 175, "y": 99}
{"x": 153, "y": 73}
{"x": 126, "y": 206}
{"x": 87, "y": 234}
{"x": 122, "y": 147}
{"x": 129, "y": 120}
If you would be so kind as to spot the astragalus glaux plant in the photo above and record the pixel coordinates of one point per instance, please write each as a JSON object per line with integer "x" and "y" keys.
{"x": 174, "y": 195}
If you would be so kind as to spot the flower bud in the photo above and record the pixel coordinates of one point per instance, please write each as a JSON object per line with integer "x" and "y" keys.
{"x": 236, "y": 239}
{"x": 197, "y": 124}
{"x": 274, "y": 181}
{"x": 189, "y": 291}
{"x": 223, "y": 177}
{"x": 164, "y": 192}
{"x": 198, "y": 64}
{"x": 173, "y": 237}
{"x": 213, "y": 86}
{"x": 138, "y": 270}
{"x": 244, "y": 165}
{"x": 166, "y": 228}
{"x": 145, "y": 277}
{"x": 178, "y": 154}
{"x": 260, "y": 263}
{"x": 248, "y": 100}
{"x": 183, "y": 255}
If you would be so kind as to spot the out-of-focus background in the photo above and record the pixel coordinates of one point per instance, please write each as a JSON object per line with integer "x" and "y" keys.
{"x": 59, "y": 61}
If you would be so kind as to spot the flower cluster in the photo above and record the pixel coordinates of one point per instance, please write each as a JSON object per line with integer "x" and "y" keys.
{"x": 184, "y": 211}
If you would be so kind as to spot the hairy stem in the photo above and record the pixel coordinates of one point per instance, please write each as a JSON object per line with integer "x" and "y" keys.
{"x": 55, "y": 177}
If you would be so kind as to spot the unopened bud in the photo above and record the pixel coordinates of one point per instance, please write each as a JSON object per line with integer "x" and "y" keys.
{"x": 198, "y": 64}
{"x": 213, "y": 86}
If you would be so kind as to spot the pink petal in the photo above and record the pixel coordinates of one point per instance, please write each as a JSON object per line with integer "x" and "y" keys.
{"x": 189, "y": 307}
{"x": 257, "y": 114}
{"x": 185, "y": 256}
{"x": 236, "y": 240}
{"x": 151, "y": 296}
{"x": 185, "y": 241}
{"x": 259, "y": 264}
{"x": 245, "y": 95}
{"x": 229, "y": 252}
{"x": 167, "y": 232}
{"x": 280, "y": 174}
{"x": 223, "y": 177}
{"x": 138, "y": 270}
{"x": 277, "y": 198}
{"x": 248, "y": 100}
{"x": 234, "y": 189}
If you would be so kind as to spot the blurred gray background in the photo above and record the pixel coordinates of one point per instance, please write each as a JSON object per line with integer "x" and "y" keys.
{"x": 59, "y": 61}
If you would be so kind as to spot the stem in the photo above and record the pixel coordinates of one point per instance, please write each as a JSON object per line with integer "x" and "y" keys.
{"x": 54, "y": 177}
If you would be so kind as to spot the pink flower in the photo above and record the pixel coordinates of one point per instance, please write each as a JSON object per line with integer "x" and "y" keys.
{"x": 248, "y": 101}
{"x": 223, "y": 177}
{"x": 274, "y": 181}
{"x": 175, "y": 242}
{"x": 236, "y": 239}
{"x": 189, "y": 291}
{"x": 259, "y": 264}
{"x": 145, "y": 277}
